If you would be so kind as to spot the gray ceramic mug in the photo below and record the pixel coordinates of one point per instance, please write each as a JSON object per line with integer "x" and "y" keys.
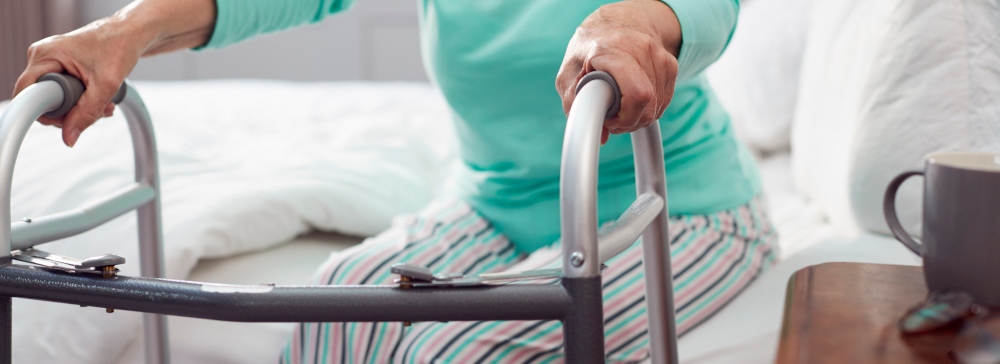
{"x": 961, "y": 223}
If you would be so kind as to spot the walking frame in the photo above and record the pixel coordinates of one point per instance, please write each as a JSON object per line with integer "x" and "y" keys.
{"x": 418, "y": 295}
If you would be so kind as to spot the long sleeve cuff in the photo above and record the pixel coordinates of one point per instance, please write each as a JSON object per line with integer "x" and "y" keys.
{"x": 237, "y": 20}
{"x": 706, "y": 27}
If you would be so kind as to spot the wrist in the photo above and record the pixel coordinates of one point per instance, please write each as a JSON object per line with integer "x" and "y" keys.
{"x": 167, "y": 25}
{"x": 140, "y": 30}
{"x": 664, "y": 24}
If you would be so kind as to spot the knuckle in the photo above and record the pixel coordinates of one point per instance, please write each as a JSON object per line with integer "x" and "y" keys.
{"x": 650, "y": 43}
{"x": 643, "y": 94}
{"x": 561, "y": 81}
{"x": 109, "y": 84}
{"x": 662, "y": 57}
{"x": 670, "y": 65}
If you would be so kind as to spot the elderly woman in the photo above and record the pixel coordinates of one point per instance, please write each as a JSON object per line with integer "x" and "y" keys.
{"x": 495, "y": 62}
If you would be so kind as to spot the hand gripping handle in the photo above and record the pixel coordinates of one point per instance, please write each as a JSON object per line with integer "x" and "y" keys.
{"x": 54, "y": 95}
{"x": 73, "y": 89}
{"x": 598, "y": 98}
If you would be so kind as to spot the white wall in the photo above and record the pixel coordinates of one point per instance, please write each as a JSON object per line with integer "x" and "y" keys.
{"x": 375, "y": 40}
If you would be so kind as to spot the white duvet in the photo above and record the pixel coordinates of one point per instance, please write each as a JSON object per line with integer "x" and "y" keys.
{"x": 244, "y": 165}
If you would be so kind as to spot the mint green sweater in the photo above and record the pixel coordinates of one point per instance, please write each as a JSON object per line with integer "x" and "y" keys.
{"x": 496, "y": 61}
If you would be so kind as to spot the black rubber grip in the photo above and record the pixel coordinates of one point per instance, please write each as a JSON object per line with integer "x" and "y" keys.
{"x": 73, "y": 88}
{"x": 604, "y": 76}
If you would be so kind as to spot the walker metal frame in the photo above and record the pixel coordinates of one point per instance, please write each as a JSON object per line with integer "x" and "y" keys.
{"x": 577, "y": 301}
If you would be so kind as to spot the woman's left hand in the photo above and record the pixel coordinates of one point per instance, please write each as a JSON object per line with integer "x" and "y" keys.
{"x": 637, "y": 42}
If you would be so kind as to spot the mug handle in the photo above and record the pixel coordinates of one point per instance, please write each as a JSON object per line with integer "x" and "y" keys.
{"x": 889, "y": 207}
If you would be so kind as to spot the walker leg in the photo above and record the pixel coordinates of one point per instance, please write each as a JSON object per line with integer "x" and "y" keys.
{"x": 155, "y": 331}
{"x": 583, "y": 327}
{"x": 5, "y": 330}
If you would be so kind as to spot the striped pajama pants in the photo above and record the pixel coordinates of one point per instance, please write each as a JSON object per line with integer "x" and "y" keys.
{"x": 714, "y": 258}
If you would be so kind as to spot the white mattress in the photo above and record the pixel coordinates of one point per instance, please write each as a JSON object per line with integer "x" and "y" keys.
{"x": 745, "y": 331}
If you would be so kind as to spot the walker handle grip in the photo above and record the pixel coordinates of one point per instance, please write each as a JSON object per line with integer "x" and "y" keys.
{"x": 604, "y": 76}
{"x": 73, "y": 89}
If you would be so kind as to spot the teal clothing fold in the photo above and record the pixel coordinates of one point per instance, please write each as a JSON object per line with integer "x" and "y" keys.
{"x": 496, "y": 61}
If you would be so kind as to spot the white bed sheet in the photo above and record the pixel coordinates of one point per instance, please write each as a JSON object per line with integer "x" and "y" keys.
{"x": 745, "y": 331}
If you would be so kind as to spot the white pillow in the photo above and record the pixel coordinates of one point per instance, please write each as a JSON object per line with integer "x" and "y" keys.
{"x": 757, "y": 77}
{"x": 884, "y": 83}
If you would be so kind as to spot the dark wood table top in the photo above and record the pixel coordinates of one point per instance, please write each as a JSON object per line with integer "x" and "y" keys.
{"x": 848, "y": 313}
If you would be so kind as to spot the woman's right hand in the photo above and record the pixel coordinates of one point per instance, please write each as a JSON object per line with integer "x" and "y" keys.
{"x": 104, "y": 52}
{"x": 101, "y": 55}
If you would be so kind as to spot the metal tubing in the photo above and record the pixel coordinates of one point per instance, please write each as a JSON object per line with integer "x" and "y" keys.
{"x": 6, "y": 329}
{"x": 265, "y": 303}
{"x": 583, "y": 326}
{"x": 578, "y": 179}
{"x": 578, "y": 194}
{"x": 650, "y": 176}
{"x": 6, "y": 322}
{"x": 38, "y": 230}
{"x": 31, "y": 103}
{"x": 623, "y": 233}
{"x": 149, "y": 219}
{"x": 45, "y": 96}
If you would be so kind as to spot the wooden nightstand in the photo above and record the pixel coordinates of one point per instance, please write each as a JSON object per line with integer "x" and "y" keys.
{"x": 847, "y": 313}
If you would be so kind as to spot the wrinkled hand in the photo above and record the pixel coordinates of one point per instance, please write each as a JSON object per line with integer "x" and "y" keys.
{"x": 100, "y": 54}
{"x": 637, "y": 42}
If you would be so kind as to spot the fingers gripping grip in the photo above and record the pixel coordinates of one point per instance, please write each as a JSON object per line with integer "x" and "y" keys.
{"x": 73, "y": 88}
{"x": 604, "y": 76}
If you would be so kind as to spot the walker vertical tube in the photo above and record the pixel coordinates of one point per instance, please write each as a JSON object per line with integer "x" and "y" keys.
{"x": 595, "y": 102}
{"x": 149, "y": 219}
{"x": 59, "y": 93}
{"x": 650, "y": 176}
{"x": 31, "y": 103}
{"x": 578, "y": 180}
{"x": 6, "y": 329}
{"x": 583, "y": 327}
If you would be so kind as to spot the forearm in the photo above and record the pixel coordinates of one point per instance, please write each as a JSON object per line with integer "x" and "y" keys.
{"x": 161, "y": 26}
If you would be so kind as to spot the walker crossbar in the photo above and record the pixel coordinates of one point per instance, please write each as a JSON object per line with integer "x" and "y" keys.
{"x": 266, "y": 303}
{"x": 577, "y": 301}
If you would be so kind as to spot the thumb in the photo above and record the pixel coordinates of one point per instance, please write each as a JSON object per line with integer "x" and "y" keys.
{"x": 88, "y": 109}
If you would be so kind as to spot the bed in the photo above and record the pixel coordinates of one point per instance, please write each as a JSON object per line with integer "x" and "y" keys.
{"x": 262, "y": 180}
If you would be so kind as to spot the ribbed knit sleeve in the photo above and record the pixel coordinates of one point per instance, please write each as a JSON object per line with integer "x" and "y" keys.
{"x": 706, "y": 27}
{"x": 237, "y": 20}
